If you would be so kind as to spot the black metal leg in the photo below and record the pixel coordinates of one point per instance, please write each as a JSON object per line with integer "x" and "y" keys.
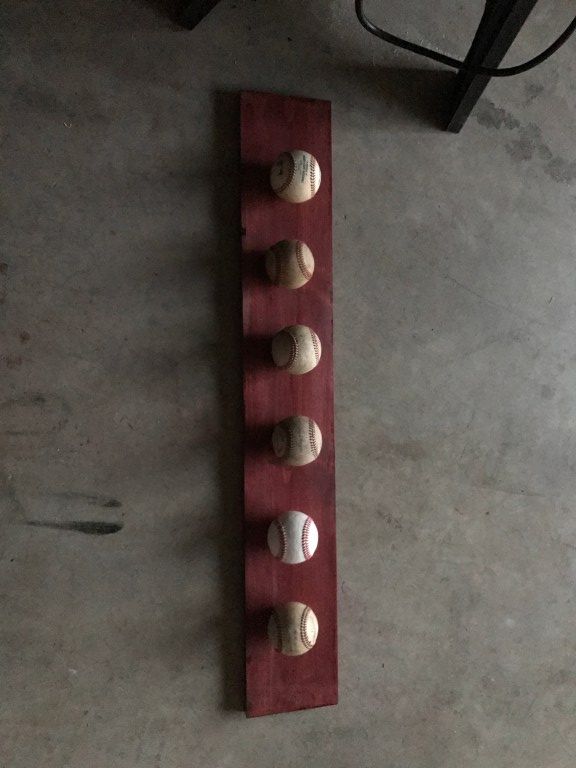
{"x": 193, "y": 11}
{"x": 500, "y": 24}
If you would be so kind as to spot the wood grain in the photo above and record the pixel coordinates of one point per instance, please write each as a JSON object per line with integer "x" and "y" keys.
{"x": 271, "y": 124}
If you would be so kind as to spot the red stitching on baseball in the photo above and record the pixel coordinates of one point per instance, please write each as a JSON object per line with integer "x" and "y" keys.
{"x": 315, "y": 345}
{"x": 312, "y": 176}
{"x": 306, "y": 642}
{"x": 300, "y": 259}
{"x": 312, "y": 435}
{"x": 283, "y": 187}
{"x": 282, "y": 535}
{"x": 293, "y": 350}
{"x": 305, "y": 541}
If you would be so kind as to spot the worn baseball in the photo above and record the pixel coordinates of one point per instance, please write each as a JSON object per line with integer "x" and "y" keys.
{"x": 295, "y": 176}
{"x": 293, "y": 537}
{"x": 293, "y": 628}
{"x": 290, "y": 263}
{"x": 296, "y": 349}
{"x": 297, "y": 441}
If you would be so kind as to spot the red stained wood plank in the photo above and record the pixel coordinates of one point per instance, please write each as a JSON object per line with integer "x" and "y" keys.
{"x": 271, "y": 124}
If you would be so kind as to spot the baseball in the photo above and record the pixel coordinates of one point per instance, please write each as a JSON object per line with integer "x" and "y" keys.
{"x": 293, "y": 537}
{"x": 295, "y": 176}
{"x": 290, "y": 263}
{"x": 296, "y": 349}
{"x": 293, "y": 628}
{"x": 297, "y": 441}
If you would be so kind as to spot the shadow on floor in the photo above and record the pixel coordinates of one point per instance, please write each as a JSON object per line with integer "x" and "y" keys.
{"x": 170, "y": 10}
{"x": 402, "y": 96}
{"x": 420, "y": 98}
{"x": 184, "y": 13}
{"x": 228, "y": 361}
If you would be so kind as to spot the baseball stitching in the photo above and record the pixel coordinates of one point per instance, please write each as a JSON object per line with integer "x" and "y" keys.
{"x": 312, "y": 176}
{"x": 315, "y": 345}
{"x": 307, "y": 643}
{"x": 312, "y": 436}
{"x": 305, "y": 541}
{"x": 300, "y": 259}
{"x": 283, "y": 187}
{"x": 293, "y": 350}
{"x": 282, "y": 534}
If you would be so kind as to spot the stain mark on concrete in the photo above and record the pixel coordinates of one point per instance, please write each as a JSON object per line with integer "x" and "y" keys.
{"x": 90, "y": 527}
{"x": 409, "y": 449}
{"x": 11, "y": 361}
{"x": 491, "y": 116}
{"x": 390, "y": 520}
{"x": 24, "y": 337}
{"x": 533, "y": 90}
{"x": 33, "y": 414}
{"x": 561, "y": 170}
{"x": 546, "y": 392}
{"x": 528, "y": 142}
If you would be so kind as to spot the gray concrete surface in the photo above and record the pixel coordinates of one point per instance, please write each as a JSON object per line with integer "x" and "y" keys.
{"x": 455, "y": 372}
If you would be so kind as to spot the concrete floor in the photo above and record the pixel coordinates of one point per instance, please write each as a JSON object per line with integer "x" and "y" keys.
{"x": 455, "y": 330}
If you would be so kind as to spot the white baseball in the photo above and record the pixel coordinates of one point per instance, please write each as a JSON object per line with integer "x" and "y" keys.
{"x": 293, "y": 537}
{"x": 290, "y": 263}
{"x": 296, "y": 349}
{"x": 297, "y": 441}
{"x": 295, "y": 176}
{"x": 293, "y": 628}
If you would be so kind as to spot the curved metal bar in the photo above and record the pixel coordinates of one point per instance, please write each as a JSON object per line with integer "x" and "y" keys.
{"x": 450, "y": 61}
